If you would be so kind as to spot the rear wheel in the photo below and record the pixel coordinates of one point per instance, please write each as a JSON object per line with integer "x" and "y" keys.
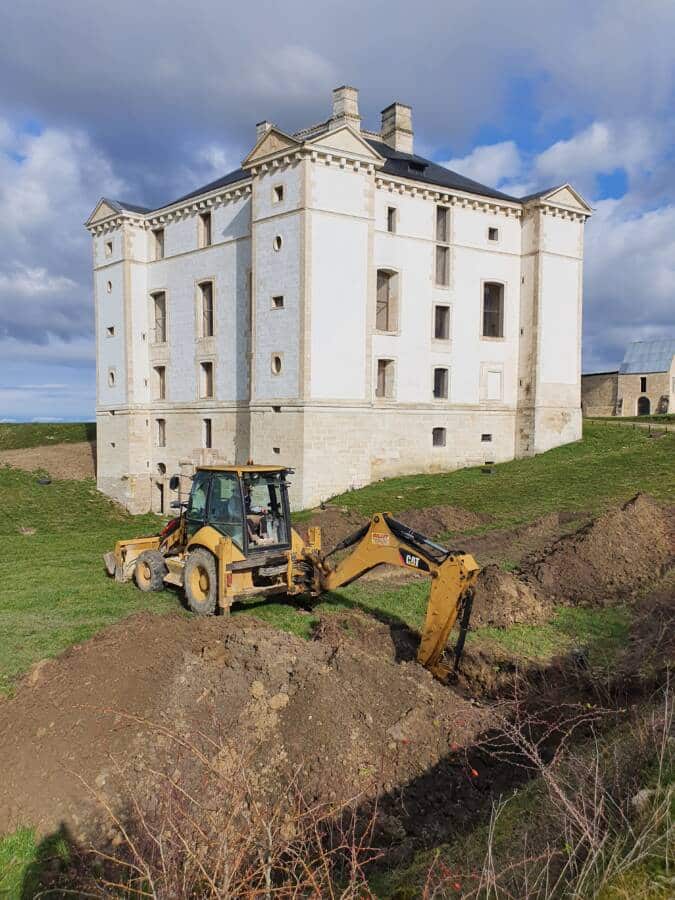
{"x": 150, "y": 570}
{"x": 201, "y": 582}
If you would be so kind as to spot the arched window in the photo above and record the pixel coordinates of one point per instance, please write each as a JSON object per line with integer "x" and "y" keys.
{"x": 493, "y": 310}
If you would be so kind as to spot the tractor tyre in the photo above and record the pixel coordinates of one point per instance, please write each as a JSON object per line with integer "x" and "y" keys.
{"x": 200, "y": 579}
{"x": 149, "y": 571}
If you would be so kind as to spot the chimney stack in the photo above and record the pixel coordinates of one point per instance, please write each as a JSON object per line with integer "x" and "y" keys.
{"x": 262, "y": 128}
{"x": 396, "y": 130}
{"x": 346, "y": 108}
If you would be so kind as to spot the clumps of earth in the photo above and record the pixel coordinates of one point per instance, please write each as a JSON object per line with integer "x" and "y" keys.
{"x": 347, "y": 714}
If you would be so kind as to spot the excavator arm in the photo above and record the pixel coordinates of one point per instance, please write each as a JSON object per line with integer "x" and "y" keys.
{"x": 453, "y": 573}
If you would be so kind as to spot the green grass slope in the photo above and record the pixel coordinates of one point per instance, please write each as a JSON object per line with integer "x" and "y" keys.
{"x": 37, "y": 434}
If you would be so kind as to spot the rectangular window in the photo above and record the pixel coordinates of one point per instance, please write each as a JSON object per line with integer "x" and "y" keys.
{"x": 110, "y": 331}
{"x": 643, "y": 383}
{"x": 206, "y": 380}
{"x": 206, "y": 302}
{"x": 442, "y": 323}
{"x": 159, "y": 309}
{"x": 493, "y": 310}
{"x": 493, "y": 234}
{"x": 386, "y": 314}
{"x": 440, "y": 384}
{"x": 205, "y": 229}
{"x": 391, "y": 219}
{"x": 486, "y": 438}
{"x": 438, "y": 437}
{"x": 442, "y": 224}
{"x": 278, "y": 302}
{"x": 385, "y": 379}
{"x": 443, "y": 266}
{"x": 158, "y": 243}
{"x": 277, "y": 193}
{"x": 493, "y": 386}
{"x": 108, "y": 248}
{"x": 159, "y": 383}
{"x": 161, "y": 432}
{"x": 207, "y": 433}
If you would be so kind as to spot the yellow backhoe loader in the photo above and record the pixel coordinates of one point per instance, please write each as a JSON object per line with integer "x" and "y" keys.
{"x": 233, "y": 540}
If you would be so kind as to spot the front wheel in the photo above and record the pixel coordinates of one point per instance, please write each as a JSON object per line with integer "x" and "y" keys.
{"x": 201, "y": 582}
{"x": 150, "y": 570}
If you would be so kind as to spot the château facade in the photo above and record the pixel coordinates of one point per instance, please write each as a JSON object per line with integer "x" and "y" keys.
{"x": 339, "y": 305}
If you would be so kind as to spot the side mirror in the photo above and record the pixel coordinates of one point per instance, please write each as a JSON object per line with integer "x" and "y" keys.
{"x": 174, "y": 483}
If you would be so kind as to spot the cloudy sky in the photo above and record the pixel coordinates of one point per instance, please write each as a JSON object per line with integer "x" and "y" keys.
{"x": 144, "y": 101}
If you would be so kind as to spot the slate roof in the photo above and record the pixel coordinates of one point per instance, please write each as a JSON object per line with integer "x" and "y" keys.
{"x": 407, "y": 165}
{"x": 401, "y": 165}
{"x": 648, "y": 356}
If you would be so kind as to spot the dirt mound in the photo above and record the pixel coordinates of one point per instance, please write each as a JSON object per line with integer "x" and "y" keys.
{"x": 337, "y": 523}
{"x": 501, "y": 599}
{"x": 343, "y": 715}
{"x": 61, "y": 461}
{"x": 610, "y": 558}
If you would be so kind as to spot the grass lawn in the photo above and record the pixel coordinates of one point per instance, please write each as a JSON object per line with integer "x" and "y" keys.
{"x": 37, "y": 434}
{"x": 609, "y": 464}
{"x": 55, "y": 591}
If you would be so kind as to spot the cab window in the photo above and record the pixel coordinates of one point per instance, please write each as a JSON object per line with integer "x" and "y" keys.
{"x": 196, "y": 512}
{"x": 266, "y": 519}
{"x": 225, "y": 508}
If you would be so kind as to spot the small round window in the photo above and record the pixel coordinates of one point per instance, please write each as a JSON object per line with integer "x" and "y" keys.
{"x": 276, "y": 364}
{"x": 277, "y": 242}
{"x": 108, "y": 287}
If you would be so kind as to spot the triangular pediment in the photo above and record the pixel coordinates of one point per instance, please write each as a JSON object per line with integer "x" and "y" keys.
{"x": 346, "y": 140}
{"x": 103, "y": 210}
{"x": 272, "y": 142}
{"x": 566, "y": 196}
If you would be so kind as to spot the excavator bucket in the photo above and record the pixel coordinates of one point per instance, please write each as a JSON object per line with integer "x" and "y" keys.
{"x": 450, "y": 597}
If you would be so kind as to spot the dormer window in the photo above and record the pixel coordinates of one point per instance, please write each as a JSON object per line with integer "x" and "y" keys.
{"x": 416, "y": 167}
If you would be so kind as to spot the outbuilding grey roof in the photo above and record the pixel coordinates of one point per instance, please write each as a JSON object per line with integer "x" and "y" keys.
{"x": 648, "y": 356}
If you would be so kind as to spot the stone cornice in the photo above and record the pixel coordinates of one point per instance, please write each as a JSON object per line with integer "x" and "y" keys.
{"x": 175, "y": 211}
{"x": 439, "y": 194}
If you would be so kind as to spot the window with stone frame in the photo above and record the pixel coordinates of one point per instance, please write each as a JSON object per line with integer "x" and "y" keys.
{"x": 159, "y": 315}
{"x": 206, "y": 308}
{"x": 442, "y": 266}
{"x": 493, "y": 310}
{"x": 205, "y": 224}
{"x": 207, "y": 433}
{"x": 161, "y": 432}
{"x": 392, "y": 216}
{"x": 441, "y": 322}
{"x": 158, "y": 243}
{"x": 441, "y": 381}
{"x": 386, "y": 314}
{"x": 159, "y": 383}
{"x": 205, "y": 380}
{"x": 384, "y": 387}
{"x": 438, "y": 437}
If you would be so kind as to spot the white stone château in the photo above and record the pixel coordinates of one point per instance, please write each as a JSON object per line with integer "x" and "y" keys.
{"x": 339, "y": 305}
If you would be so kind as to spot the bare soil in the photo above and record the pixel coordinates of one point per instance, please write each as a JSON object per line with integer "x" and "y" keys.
{"x": 348, "y": 718}
{"x": 610, "y": 558}
{"x": 61, "y": 461}
{"x": 348, "y": 714}
{"x": 337, "y": 523}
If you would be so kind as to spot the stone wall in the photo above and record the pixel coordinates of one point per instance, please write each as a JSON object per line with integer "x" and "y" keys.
{"x": 657, "y": 392}
{"x": 599, "y": 393}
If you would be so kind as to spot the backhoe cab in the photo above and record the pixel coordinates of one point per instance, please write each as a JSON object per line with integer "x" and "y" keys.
{"x": 233, "y": 539}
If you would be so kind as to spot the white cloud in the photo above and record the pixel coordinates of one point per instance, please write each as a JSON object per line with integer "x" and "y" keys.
{"x": 489, "y": 164}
